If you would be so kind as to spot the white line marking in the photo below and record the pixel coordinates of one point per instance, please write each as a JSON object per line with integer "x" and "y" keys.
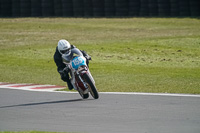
{"x": 151, "y": 94}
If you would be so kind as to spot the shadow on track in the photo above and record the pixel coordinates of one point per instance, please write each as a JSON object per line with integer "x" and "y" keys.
{"x": 41, "y": 103}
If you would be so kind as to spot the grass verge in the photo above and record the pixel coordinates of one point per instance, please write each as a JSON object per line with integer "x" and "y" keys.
{"x": 129, "y": 55}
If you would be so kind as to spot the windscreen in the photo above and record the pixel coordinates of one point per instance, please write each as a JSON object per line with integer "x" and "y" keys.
{"x": 74, "y": 53}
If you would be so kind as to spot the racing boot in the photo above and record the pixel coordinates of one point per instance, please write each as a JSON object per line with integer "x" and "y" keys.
{"x": 70, "y": 86}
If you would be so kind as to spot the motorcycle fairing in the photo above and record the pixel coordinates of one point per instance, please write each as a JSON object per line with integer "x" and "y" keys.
{"x": 78, "y": 61}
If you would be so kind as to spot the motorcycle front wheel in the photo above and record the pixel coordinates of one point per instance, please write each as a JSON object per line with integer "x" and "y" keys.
{"x": 84, "y": 96}
{"x": 92, "y": 87}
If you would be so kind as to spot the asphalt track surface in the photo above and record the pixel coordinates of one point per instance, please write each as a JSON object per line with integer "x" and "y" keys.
{"x": 122, "y": 113}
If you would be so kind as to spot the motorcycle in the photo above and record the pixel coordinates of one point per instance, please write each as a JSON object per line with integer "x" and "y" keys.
{"x": 80, "y": 76}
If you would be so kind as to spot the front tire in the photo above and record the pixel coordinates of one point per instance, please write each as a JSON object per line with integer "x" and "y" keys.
{"x": 92, "y": 87}
{"x": 84, "y": 96}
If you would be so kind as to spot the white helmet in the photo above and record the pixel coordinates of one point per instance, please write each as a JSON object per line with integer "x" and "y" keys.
{"x": 64, "y": 47}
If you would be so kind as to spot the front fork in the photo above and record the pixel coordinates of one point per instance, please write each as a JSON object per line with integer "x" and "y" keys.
{"x": 79, "y": 76}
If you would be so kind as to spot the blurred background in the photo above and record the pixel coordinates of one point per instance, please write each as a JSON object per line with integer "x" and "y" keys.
{"x": 99, "y": 8}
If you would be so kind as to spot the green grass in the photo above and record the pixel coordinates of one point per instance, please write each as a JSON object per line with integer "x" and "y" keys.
{"x": 129, "y": 55}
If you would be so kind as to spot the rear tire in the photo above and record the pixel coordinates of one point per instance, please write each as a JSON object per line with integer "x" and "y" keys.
{"x": 93, "y": 89}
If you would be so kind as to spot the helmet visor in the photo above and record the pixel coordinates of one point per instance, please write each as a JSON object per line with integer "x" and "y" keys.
{"x": 67, "y": 51}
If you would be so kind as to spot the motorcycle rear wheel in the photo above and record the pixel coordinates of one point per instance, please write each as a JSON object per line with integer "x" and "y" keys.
{"x": 92, "y": 87}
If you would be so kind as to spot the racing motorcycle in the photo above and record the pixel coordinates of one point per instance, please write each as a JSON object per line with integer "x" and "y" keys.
{"x": 80, "y": 76}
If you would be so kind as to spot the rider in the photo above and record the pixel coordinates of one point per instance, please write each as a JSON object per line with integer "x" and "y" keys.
{"x": 64, "y": 47}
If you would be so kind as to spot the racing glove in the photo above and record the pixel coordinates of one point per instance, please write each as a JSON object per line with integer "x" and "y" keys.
{"x": 86, "y": 55}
